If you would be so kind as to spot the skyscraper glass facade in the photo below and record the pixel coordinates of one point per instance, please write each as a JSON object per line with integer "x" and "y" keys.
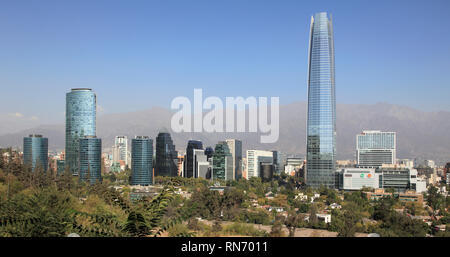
{"x": 189, "y": 160}
{"x": 35, "y": 152}
{"x": 321, "y": 123}
{"x": 90, "y": 159}
{"x": 141, "y": 161}
{"x": 166, "y": 156}
{"x": 222, "y": 162}
{"x": 80, "y": 122}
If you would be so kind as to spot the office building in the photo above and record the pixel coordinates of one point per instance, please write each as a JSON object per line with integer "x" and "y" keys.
{"x": 166, "y": 162}
{"x": 321, "y": 118}
{"x": 235, "y": 147}
{"x": 81, "y": 107}
{"x": 198, "y": 156}
{"x": 202, "y": 164}
{"x": 254, "y": 160}
{"x": 375, "y": 148}
{"x": 266, "y": 171}
{"x": 189, "y": 159}
{"x": 90, "y": 159}
{"x": 209, "y": 151}
{"x": 222, "y": 161}
{"x": 400, "y": 179}
{"x": 35, "y": 152}
{"x": 141, "y": 161}
{"x": 358, "y": 178}
{"x": 60, "y": 167}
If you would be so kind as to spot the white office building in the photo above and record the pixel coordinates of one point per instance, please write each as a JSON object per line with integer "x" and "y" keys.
{"x": 357, "y": 178}
{"x": 375, "y": 148}
{"x": 254, "y": 160}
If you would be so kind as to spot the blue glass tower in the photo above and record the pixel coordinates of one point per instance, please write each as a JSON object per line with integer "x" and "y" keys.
{"x": 90, "y": 159}
{"x": 35, "y": 152}
{"x": 141, "y": 161}
{"x": 321, "y": 123}
{"x": 80, "y": 122}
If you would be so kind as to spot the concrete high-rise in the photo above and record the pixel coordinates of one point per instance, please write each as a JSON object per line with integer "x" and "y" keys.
{"x": 81, "y": 104}
{"x": 321, "y": 118}
{"x": 35, "y": 152}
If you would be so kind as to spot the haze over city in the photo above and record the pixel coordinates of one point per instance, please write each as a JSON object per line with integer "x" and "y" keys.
{"x": 131, "y": 53}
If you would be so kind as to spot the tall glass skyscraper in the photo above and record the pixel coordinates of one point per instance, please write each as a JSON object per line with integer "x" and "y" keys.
{"x": 189, "y": 159}
{"x": 141, "y": 161}
{"x": 80, "y": 122}
{"x": 166, "y": 156}
{"x": 321, "y": 123}
{"x": 35, "y": 152}
{"x": 90, "y": 159}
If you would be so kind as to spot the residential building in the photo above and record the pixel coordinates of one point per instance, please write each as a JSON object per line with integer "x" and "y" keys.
{"x": 222, "y": 162}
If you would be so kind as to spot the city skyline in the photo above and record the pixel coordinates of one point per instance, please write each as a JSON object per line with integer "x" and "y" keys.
{"x": 282, "y": 42}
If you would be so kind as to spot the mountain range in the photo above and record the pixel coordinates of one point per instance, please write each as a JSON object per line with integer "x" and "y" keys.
{"x": 423, "y": 135}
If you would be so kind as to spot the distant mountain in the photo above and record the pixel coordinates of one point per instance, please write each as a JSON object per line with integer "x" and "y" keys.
{"x": 419, "y": 134}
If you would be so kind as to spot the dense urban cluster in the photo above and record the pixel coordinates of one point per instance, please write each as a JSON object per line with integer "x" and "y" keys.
{"x": 142, "y": 190}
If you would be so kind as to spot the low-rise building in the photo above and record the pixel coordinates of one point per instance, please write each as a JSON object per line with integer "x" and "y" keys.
{"x": 324, "y": 217}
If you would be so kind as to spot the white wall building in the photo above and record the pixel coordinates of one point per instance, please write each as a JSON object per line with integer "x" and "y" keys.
{"x": 254, "y": 159}
{"x": 374, "y": 148}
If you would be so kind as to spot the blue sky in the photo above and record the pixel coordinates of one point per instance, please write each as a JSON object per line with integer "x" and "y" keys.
{"x": 139, "y": 54}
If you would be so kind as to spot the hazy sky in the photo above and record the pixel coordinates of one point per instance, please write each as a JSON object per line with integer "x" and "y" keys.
{"x": 139, "y": 54}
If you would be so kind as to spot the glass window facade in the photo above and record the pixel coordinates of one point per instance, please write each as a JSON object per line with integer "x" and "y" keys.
{"x": 90, "y": 159}
{"x": 35, "y": 152}
{"x": 166, "y": 156}
{"x": 141, "y": 161}
{"x": 222, "y": 162}
{"x": 189, "y": 160}
{"x": 80, "y": 121}
{"x": 321, "y": 123}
